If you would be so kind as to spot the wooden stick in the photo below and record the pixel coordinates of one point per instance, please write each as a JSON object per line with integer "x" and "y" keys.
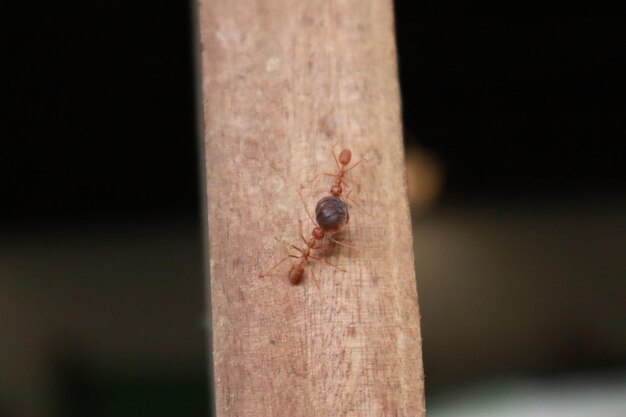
{"x": 282, "y": 81}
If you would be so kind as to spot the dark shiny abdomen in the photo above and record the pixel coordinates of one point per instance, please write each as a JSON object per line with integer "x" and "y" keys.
{"x": 331, "y": 214}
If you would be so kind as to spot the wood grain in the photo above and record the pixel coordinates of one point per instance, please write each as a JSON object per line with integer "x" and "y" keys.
{"x": 283, "y": 81}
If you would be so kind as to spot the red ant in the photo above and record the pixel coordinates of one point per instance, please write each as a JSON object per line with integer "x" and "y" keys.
{"x": 331, "y": 219}
{"x": 336, "y": 190}
{"x": 345, "y": 156}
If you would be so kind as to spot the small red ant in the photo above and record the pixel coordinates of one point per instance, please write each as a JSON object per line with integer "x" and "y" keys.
{"x": 296, "y": 272}
{"x": 336, "y": 190}
{"x": 345, "y": 156}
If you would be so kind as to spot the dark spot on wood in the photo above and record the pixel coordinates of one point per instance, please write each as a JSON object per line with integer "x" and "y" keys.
{"x": 327, "y": 125}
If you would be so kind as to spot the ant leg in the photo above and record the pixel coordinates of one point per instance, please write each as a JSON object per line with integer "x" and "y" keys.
{"x": 315, "y": 280}
{"x": 351, "y": 181}
{"x": 289, "y": 245}
{"x": 347, "y": 196}
{"x": 302, "y": 235}
{"x": 264, "y": 274}
{"x": 332, "y": 150}
{"x": 328, "y": 263}
{"x": 298, "y": 249}
{"x": 343, "y": 244}
{"x": 355, "y": 165}
{"x": 307, "y": 210}
{"x": 335, "y": 156}
{"x": 320, "y": 174}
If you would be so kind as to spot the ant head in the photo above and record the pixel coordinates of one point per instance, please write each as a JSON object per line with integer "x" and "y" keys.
{"x": 318, "y": 233}
{"x": 336, "y": 190}
{"x": 345, "y": 156}
{"x": 295, "y": 274}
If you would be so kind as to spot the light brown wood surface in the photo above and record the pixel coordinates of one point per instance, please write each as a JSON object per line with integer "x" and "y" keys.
{"x": 282, "y": 82}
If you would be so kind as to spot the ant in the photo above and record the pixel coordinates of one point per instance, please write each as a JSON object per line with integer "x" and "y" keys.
{"x": 332, "y": 216}
{"x": 345, "y": 156}
{"x": 336, "y": 190}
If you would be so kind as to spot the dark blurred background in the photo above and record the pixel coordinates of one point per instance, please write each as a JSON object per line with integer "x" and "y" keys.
{"x": 516, "y": 172}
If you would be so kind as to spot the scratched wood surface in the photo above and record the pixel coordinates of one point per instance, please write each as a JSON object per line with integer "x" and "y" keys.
{"x": 282, "y": 82}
